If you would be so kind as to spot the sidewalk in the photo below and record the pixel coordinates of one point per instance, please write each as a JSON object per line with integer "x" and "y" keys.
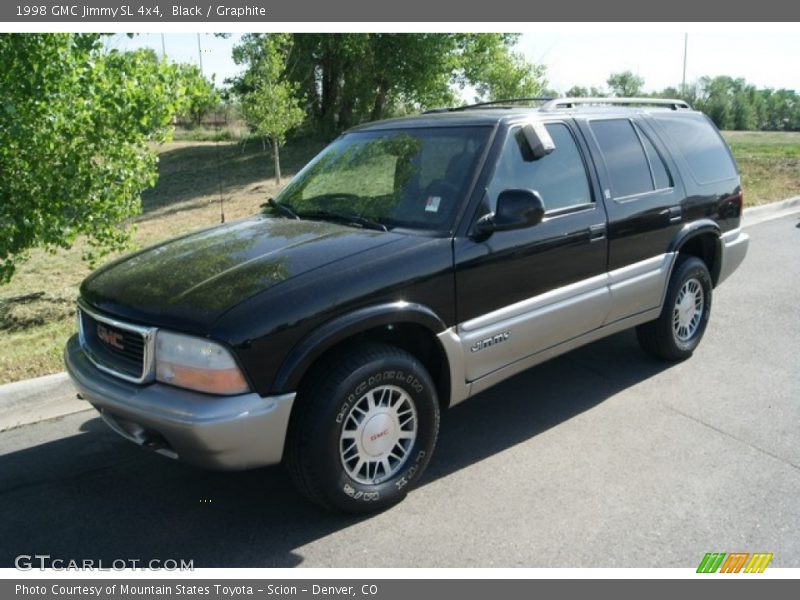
{"x": 34, "y": 400}
{"x": 52, "y": 396}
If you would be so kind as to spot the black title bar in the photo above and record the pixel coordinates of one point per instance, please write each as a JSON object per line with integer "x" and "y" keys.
{"x": 339, "y": 11}
{"x": 699, "y": 588}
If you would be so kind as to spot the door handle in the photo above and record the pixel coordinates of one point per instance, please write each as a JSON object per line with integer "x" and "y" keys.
{"x": 675, "y": 215}
{"x": 597, "y": 232}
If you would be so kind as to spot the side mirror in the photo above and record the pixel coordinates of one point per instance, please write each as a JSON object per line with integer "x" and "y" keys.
{"x": 516, "y": 209}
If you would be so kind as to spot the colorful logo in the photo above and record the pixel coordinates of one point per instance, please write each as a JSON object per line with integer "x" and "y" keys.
{"x": 112, "y": 338}
{"x": 734, "y": 562}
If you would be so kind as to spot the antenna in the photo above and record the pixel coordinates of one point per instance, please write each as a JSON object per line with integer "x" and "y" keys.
{"x": 219, "y": 170}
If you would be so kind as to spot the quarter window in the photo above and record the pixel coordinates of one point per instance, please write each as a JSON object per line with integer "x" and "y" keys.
{"x": 560, "y": 177}
{"x": 700, "y": 143}
{"x": 661, "y": 175}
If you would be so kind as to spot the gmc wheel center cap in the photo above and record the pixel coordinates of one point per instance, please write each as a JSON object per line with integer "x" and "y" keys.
{"x": 379, "y": 434}
{"x": 686, "y": 308}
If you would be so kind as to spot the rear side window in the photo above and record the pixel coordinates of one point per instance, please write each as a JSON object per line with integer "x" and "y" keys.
{"x": 624, "y": 157}
{"x": 701, "y": 146}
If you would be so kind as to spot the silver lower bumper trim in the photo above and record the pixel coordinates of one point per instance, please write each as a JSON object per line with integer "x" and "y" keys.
{"x": 218, "y": 432}
{"x": 734, "y": 249}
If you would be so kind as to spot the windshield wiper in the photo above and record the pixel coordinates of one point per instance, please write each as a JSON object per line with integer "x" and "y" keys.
{"x": 344, "y": 218}
{"x": 284, "y": 208}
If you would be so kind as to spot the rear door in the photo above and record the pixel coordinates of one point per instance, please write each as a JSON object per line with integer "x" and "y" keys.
{"x": 520, "y": 292}
{"x": 643, "y": 198}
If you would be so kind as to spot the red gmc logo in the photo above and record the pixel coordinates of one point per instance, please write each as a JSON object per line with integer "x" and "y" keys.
{"x": 372, "y": 438}
{"x": 112, "y": 338}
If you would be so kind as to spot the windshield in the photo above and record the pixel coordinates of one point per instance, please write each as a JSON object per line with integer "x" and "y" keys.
{"x": 409, "y": 178}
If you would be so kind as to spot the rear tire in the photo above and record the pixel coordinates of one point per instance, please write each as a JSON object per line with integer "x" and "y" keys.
{"x": 677, "y": 331}
{"x": 365, "y": 429}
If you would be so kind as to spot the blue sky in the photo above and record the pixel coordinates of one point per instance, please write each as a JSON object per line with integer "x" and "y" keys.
{"x": 766, "y": 59}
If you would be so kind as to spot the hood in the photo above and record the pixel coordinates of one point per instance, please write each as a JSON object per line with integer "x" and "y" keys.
{"x": 189, "y": 282}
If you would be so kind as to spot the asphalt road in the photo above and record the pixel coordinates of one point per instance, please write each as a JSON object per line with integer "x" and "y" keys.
{"x": 600, "y": 458}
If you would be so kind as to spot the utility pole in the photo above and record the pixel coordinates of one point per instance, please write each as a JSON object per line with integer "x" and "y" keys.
{"x": 685, "y": 48}
{"x": 163, "y": 48}
{"x": 199, "y": 54}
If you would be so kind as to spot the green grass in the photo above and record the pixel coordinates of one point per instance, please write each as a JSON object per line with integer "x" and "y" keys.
{"x": 209, "y": 133}
{"x": 37, "y": 307}
{"x": 769, "y": 163}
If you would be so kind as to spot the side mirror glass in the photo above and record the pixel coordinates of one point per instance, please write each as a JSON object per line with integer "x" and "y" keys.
{"x": 516, "y": 209}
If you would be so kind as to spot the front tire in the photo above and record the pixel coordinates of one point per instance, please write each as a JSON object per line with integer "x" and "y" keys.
{"x": 683, "y": 319}
{"x": 365, "y": 429}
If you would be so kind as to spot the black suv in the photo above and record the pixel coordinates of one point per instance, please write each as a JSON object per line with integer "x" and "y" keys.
{"x": 412, "y": 264}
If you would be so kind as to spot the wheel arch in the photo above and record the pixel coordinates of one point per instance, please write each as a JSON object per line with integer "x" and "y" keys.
{"x": 702, "y": 240}
{"x": 409, "y": 326}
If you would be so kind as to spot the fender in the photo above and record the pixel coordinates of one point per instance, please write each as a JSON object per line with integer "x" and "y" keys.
{"x": 340, "y": 328}
{"x": 692, "y": 230}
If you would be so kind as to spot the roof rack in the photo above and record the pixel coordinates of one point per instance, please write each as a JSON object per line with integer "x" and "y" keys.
{"x": 557, "y": 103}
{"x": 504, "y": 103}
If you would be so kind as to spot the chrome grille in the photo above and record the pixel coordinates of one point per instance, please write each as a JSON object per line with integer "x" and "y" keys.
{"x": 121, "y": 349}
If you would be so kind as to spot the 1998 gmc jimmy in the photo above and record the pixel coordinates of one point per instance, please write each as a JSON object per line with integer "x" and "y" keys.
{"x": 412, "y": 264}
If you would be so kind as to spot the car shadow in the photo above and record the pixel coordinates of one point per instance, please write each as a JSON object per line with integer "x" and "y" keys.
{"x": 94, "y": 495}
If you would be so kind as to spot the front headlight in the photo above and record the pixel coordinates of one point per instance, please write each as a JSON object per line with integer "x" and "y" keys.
{"x": 197, "y": 364}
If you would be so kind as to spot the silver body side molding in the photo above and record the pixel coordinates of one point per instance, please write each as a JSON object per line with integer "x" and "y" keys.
{"x": 530, "y": 361}
{"x": 544, "y": 326}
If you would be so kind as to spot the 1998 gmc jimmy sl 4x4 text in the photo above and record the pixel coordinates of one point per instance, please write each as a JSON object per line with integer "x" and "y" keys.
{"x": 413, "y": 263}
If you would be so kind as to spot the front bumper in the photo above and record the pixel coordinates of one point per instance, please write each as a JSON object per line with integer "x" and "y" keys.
{"x": 734, "y": 249}
{"x": 218, "y": 432}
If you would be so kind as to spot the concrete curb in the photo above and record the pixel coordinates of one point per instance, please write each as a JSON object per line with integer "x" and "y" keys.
{"x": 34, "y": 400}
{"x": 52, "y": 396}
{"x": 767, "y": 212}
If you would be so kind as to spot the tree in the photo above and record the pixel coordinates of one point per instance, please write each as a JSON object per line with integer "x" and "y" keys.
{"x": 625, "y": 84}
{"x": 405, "y": 69}
{"x": 271, "y": 105}
{"x": 74, "y": 127}
{"x": 744, "y": 112}
{"x": 577, "y": 91}
{"x": 783, "y": 110}
{"x": 348, "y": 78}
{"x": 200, "y": 92}
{"x": 496, "y": 71}
{"x": 735, "y": 104}
{"x": 715, "y": 98}
{"x": 353, "y": 77}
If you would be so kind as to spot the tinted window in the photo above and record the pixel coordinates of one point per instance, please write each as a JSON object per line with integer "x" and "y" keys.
{"x": 560, "y": 177}
{"x": 701, "y": 145}
{"x": 660, "y": 171}
{"x": 624, "y": 157}
{"x": 410, "y": 178}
